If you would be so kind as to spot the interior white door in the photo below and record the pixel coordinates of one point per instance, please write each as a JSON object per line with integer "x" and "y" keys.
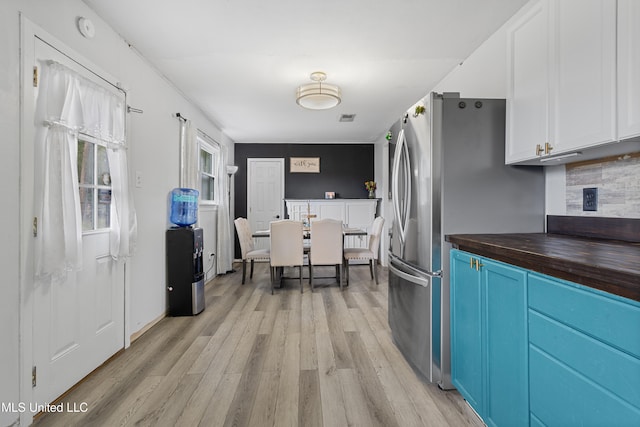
{"x": 78, "y": 322}
{"x": 265, "y": 194}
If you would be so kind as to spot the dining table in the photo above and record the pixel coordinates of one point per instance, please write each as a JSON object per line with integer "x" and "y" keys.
{"x": 348, "y": 231}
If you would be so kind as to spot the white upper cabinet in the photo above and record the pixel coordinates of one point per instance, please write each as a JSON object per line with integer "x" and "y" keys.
{"x": 628, "y": 68}
{"x": 583, "y": 74}
{"x": 562, "y": 79}
{"x": 527, "y": 100}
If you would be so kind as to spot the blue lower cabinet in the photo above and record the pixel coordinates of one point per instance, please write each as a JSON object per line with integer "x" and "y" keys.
{"x": 466, "y": 330}
{"x": 489, "y": 338}
{"x": 506, "y": 348}
{"x": 584, "y": 355}
{"x": 532, "y": 350}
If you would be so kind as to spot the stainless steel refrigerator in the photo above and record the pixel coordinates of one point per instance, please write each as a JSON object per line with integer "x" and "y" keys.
{"x": 447, "y": 177}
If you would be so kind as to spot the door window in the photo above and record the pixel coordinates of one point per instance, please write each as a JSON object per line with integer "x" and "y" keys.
{"x": 94, "y": 181}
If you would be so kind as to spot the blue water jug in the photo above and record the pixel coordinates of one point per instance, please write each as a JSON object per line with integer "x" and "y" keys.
{"x": 184, "y": 206}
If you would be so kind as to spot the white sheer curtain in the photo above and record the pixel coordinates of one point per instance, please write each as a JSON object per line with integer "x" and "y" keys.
{"x": 68, "y": 104}
{"x": 124, "y": 224}
{"x": 225, "y": 237}
{"x": 189, "y": 172}
{"x": 59, "y": 248}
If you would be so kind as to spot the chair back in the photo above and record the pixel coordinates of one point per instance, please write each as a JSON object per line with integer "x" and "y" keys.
{"x": 326, "y": 242}
{"x": 374, "y": 236}
{"x": 286, "y": 243}
{"x": 244, "y": 236}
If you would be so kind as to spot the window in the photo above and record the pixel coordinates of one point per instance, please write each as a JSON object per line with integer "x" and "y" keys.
{"x": 94, "y": 182}
{"x": 208, "y": 167}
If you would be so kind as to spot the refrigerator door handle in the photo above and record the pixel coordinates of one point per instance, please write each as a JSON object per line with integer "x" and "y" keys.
{"x": 414, "y": 276}
{"x": 402, "y": 211}
{"x": 395, "y": 186}
{"x": 408, "y": 277}
{"x": 407, "y": 184}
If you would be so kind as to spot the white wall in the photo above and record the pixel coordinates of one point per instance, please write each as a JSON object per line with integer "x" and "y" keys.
{"x": 153, "y": 138}
{"x": 9, "y": 214}
{"x": 207, "y": 220}
{"x": 483, "y": 74}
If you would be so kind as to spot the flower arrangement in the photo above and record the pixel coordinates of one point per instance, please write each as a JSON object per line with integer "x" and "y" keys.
{"x": 370, "y": 185}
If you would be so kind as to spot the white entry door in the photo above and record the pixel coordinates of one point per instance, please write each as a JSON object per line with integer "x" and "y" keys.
{"x": 78, "y": 322}
{"x": 265, "y": 194}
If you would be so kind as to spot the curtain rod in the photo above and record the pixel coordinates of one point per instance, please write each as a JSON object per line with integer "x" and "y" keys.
{"x": 180, "y": 117}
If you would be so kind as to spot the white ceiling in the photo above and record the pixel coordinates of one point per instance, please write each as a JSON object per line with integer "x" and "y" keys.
{"x": 240, "y": 61}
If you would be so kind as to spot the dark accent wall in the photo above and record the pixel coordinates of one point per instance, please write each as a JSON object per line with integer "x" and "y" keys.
{"x": 343, "y": 169}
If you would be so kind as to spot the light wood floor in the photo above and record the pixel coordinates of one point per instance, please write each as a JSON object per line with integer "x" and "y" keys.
{"x": 322, "y": 358}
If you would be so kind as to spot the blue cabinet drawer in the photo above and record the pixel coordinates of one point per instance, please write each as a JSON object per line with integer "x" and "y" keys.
{"x": 562, "y": 397}
{"x": 608, "y": 318}
{"x": 614, "y": 372}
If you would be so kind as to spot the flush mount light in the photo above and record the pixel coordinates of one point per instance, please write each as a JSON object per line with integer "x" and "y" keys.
{"x": 318, "y": 95}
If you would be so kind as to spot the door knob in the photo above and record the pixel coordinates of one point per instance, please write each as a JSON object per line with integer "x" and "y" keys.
{"x": 277, "y": 216}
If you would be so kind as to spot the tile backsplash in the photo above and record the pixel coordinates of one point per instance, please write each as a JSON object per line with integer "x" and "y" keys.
{"x": 618, "y": 183}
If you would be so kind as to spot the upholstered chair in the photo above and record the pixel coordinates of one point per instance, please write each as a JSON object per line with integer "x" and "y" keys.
{"x": 249, "y": 253}
{"x": 286, "y": 239}
{"x": 326, "y": 246}
{"x": 369, "y": 254}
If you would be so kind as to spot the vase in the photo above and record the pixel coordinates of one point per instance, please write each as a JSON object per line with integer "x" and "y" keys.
{"x": 372, "y": 194}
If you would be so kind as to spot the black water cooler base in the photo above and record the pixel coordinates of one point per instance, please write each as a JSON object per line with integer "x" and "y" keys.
{"x": 185, "y": 279}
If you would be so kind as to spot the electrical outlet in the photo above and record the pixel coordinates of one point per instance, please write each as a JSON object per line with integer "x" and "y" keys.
{"x": 590, "y": 199}
{"x": 138, "y": 179}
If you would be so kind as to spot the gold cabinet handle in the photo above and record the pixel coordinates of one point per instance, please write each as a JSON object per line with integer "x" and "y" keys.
{"x": 539, "y": 149}
{"x": 547, "y": 148}
{"x": 471, "y": 260}
{"x": 478, "y": 264}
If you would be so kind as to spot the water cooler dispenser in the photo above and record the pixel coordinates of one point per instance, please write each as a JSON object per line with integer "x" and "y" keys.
{"x": 184, "y": 245}
{"x": 185, "y": 275}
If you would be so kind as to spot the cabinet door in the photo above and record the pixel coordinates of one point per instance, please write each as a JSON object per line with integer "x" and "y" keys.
{"x": 506, "y": 345}
{"x": 466, "y": 329}
{"x": 527, "y": 84}
{"x": 330, "y": 210}
{"x": 583, "y": 67}
{"x": 628, "y": 68}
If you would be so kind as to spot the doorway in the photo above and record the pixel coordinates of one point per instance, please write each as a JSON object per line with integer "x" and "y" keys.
{"x": 73, "y": 323}
{"x": 265, "y": 195}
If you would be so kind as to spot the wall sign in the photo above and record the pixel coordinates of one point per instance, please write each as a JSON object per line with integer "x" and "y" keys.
{"x": 304, "y": 164}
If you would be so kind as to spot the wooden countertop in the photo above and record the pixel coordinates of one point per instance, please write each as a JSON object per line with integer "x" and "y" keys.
{"x": 609, "y": 265}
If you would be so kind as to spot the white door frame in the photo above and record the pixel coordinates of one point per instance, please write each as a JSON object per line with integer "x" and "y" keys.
{"x": 28, "y": 32}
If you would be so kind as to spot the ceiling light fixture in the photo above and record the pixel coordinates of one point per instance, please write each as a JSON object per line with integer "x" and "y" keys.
{"x": 318, "y": 95}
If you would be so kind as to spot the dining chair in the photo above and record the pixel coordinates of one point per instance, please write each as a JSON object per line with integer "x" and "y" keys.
{"x": 370, "y": 253}
{"x": 249, "y": 252}
{"x": 326, "y": 247}
{"x": 286, "y": 247}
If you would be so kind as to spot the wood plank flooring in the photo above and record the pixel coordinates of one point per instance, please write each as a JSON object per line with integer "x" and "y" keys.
{"x": 322, "y": 358}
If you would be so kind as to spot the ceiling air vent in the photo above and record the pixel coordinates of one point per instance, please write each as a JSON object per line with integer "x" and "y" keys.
{"x": 347, "y": 117}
